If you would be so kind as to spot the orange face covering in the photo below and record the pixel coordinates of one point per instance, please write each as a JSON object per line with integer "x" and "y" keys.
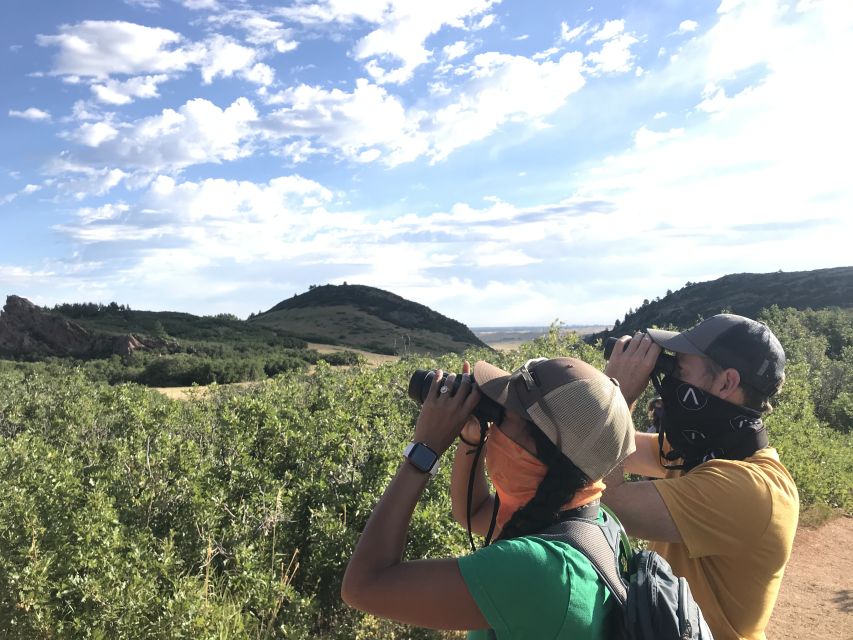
{"x": 516, "y": 474}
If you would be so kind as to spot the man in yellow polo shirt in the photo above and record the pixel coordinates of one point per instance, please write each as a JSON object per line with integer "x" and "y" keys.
{"x": 724, "y": 509}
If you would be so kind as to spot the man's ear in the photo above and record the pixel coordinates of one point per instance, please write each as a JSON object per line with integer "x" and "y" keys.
{"x": 728, "y": 385}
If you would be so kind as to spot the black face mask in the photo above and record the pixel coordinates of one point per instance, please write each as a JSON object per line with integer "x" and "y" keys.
{"x": 700, "y": 426}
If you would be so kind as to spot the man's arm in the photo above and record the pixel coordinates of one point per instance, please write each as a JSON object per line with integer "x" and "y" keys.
{"x": 640, "y": 508}
{"x": 632, "y": 365}
{"x": 645, "y": 461}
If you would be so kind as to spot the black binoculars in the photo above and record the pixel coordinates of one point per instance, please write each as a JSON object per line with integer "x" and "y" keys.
{"x": 486, "y": 409}
{"x": 665, "y": 364}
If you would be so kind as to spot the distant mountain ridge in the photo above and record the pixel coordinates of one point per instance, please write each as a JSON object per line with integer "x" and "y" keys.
{"x": 345, "y": 315}
{"x": 367, "y": 318}
{"x": 745, "y": 294}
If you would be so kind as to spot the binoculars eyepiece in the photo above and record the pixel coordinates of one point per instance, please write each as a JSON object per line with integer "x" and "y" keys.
{"x": 665, "y": 364}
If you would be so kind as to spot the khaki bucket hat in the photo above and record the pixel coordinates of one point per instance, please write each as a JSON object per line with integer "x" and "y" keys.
{"x": 579, "y": 409}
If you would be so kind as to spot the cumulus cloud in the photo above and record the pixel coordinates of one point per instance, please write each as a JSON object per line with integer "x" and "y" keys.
{"x": 359, "y": 125}
{"x": 370, "y": 124}
{"x": 615, "y": 54}
{"x": 503, "y": 88}
{"x": 145, "y": 4}
{"x": 32, "y": 114}
{"x": 102, "y": 48}
{"x": 198, "y": 5}
{"x": 687, "y": 26}
{"x": 568, "y": 34}
{"x": 456, "y": 50}
{"x": 199, "y": 132}
{"x": 484, "y": 23}
{"x": 259, "y": 29}
{"x": 225, "y": 57}
{"x": 123, "y": 92}
{"x": 645, "y": 138}
{"x": 402, "y": 31}
{"x": 89, "y": 215}
{"x": 96, "y": 51}
{"x": 94, "y": 134}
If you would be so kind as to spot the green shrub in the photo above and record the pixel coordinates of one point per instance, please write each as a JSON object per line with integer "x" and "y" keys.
{"x": 127, "y": 515}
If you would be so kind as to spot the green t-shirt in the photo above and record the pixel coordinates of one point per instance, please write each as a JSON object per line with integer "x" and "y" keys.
{"x": 531, "y": 588}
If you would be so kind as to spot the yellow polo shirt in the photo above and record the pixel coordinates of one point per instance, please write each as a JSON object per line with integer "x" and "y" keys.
{"x": 737, "y": 520}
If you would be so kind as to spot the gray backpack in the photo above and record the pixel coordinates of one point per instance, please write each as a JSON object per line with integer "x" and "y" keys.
{"x": 656, "y": 605}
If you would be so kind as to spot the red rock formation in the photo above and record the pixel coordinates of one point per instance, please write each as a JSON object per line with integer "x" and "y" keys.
{"x": 27, "y": 330}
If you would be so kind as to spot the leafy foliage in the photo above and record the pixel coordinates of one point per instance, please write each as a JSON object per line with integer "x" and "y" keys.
{"x": 745, "y": 294}
{"x": 127, "y": 515}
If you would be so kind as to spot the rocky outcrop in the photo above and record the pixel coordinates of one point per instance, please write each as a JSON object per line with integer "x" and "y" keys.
{"x": 27, "y": 330}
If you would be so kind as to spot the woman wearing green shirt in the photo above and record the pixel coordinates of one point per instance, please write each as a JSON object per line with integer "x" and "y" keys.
{"x": 564, "y": 426}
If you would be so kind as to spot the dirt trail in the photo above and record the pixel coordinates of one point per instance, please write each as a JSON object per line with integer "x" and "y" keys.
{"x": 816, "y": 599}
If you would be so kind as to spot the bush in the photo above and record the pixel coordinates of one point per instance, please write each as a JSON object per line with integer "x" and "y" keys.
{"x": 127, "y": 515}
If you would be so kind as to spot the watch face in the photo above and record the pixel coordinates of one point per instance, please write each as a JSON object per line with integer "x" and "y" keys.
{"x": 422, "y": 457}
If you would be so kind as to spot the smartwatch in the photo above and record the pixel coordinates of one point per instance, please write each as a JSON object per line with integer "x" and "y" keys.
{"x": 422, "y": 457}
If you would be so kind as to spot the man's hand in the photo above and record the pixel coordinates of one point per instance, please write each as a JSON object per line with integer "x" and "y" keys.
{"x": 633, "y": 366}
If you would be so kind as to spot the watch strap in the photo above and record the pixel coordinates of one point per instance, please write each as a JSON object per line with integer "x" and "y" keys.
{"x": 409, "y": 450}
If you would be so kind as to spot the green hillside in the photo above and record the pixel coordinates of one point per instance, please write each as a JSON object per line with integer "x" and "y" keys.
{"x": 118, "y": 320}
{"x": 745, "y": 294}
{"x": 367, "y": 318}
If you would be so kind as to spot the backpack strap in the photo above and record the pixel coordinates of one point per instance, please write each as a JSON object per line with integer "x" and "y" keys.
{"x": 599, "y": 543}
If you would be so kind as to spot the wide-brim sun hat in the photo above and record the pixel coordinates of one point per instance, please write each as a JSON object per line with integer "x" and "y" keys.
{"x": 579, "y": 409}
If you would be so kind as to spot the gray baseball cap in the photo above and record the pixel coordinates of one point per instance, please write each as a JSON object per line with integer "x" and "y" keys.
{"x": 733, "y": 342}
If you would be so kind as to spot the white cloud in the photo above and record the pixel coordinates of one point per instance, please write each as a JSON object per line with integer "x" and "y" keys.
{"x": 99, "y": 49}
{"x": 259, "y": 29}
{"x": 30, "y": 188}
{"x": 714, "y": 99}
{"x": 80, "y": 181}
{"x": 89, "y": 215}
{"x": 365, "y": 120}
{"x": 225, "y": 57}
{"x": 615, "y": 54}
{"x": 543, "y": 55}
{"x": 503, "y": 88}
{"x": 94, "y": 135}
{"x": 370, "y": 124}
{"x": 567, "y": 34}
{"x": 608, "y": 31}
{"x": 687, "y": 26}
{"x": 403, "y": 28}
{"x": 283, "y": 46}
{"x": 645, "y": 138}
{"x": 33, "y": 114}
{"x": 198, "y": 132}
{"x": 484, "y": 23}
{"x": 198, "y": 5}
{"x": 439, "y": 89}
{"x": 145, "y": 4}
{"x": 261, "y": 74}
{"x": 456, "y": 50}
{"x": 660, "y": 114}
{"x": 124, "y": 92}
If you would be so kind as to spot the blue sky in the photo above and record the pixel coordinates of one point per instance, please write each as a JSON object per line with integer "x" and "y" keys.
{"x": 504, "y": 162}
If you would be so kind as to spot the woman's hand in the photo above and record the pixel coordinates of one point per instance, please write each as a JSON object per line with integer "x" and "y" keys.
{"x": 444, "y": 414}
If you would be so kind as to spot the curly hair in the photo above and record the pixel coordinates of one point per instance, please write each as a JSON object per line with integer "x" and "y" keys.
{"x": 561, "y": 482}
